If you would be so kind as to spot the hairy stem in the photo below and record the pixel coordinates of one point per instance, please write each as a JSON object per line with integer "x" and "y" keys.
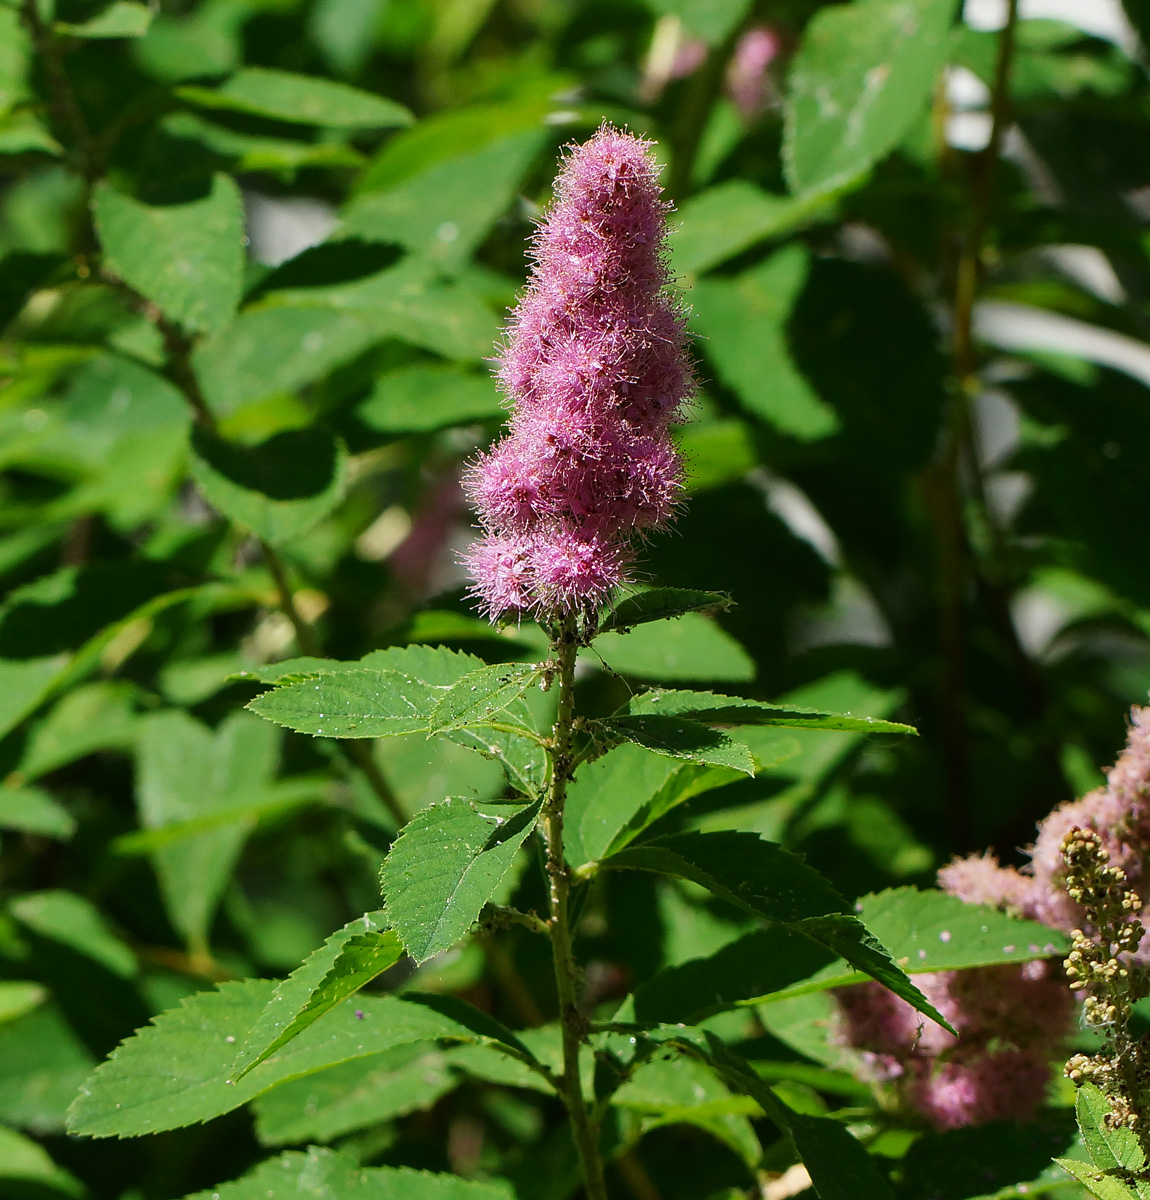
{"x": 564, "y": 647}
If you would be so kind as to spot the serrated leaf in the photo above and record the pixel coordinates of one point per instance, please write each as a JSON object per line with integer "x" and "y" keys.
{"x": 1110, "y": 1147}
{"x": 862, "y": 77}
{"x": 321, "y": 1174}
{"x": 328, "y": 975}
{"x": 769, "y": 882}
{"x": 445, "y": 866}
{"x": 277, "y": 489}
{"x": 354, "y": 1095}
{"x": 122, "y": 19}
{"x": 187, "y": 258}
{"x": 351, "y": 704}
{"x": 1097, "y": 1183}
{"x": 693, "y": 647}
{"x": 301, "y": 99}
{"x": 715, "y": 709}
{"x": 176, "y": 1071}
{"x": 675, "y": 738}
{"x": 523, "y": 759}
{"x": 32, "y": 810}
{"x": 660, "y": 604}
{"x": 480, "y": 695}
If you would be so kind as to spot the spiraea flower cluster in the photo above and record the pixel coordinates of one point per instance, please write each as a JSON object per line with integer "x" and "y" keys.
{"x": 595, "y": 364}
{"x": 1090, "y": 855}
{"x": 1007, "y": 1018}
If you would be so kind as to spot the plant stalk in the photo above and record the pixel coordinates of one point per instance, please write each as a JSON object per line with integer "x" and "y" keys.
{"x": 564, "y": 646}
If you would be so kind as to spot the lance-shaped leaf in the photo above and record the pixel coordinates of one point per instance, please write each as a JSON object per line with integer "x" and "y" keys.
{"x": 177, "y": 1071}
{"x": 332, "y": 1175}
{"x": 349, "y": 958}
{"x": 482, "y": 694}
{"x": 351, "y": 704}
{"x": 445, "y": 866}
{"x": 769, "y": 882}
{"x": 121, "y": 19}
{"x": 713, "y": 709}
{"x": 659, "y": 604}
{"x": 677, "y": 738}
{"x": 302, "y": 99}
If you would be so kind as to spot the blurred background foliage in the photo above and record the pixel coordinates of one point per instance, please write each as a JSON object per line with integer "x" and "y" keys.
{"x": 918, "y": 464}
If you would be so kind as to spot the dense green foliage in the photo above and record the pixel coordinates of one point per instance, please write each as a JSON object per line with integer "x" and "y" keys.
{"x": 254, "y": 255}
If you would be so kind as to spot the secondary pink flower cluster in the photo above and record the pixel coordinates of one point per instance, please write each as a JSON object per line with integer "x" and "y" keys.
{"x": 595, "y": 363}
{"x": 1009, "y": 1019}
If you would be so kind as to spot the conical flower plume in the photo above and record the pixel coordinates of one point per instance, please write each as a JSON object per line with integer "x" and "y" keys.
{"x": 595, "y": 364}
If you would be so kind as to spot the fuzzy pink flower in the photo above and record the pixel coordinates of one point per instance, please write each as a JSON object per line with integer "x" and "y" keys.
{"x": 595, "y": 364}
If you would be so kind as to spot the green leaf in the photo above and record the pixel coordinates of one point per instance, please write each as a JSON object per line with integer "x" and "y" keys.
{"x": 711, "y": 708}
{"x": 351, "y": 704}
{"x": 186, "y": 772}
{"x": 250, "y": 152}
{"x": 445, "y": 866}
{"x": 355, "y": 1095}
{"x": 32, "y": 810}
{"x": 997, "y": 1159}
{"x": 757, "y": 964}
{"x": 691, "y": 648}
{"x": 24, "y": 684}
{"x": 42, "y": 1065}
{"x": 767, "y": 881}
{"x": 743, "y": 320}
{"x": 686, "y": 1091}
{"x": 74, "y": 922}
{"x": 187, "y": 258}
{"x": 677, "y": 738}
{"x": 659, "y": 604}
{"x": 1110, "y": 1147}
{"x": 278, "y": 489}
{"x": 26, "y": 1163}
{"x": 15, "y": 57}
{"x": 481, "y": 695}
{"x": 424, "y": 397}
{"x": 1097, "y": 1183}
{"x": 613, "y": 798}
{"x": 22, "y": 133}
{"x": 137, "y": 1091}
{"x": 19, "y": 997}
{"x": 302, "y": 99}
{"x": 726, "y": 220}
{"x": 349, "y": 958}
{"x": 95, "y": 716}
{"x": 321, "y": 1174}
{"x": 122, "y": 19}
{"x": 861, "y": 79}
{"x": 444, "y": 211}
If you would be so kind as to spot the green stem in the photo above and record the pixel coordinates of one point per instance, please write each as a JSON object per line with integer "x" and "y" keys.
{"x": 564, "y": 647}
{"x": 959, "y": 445}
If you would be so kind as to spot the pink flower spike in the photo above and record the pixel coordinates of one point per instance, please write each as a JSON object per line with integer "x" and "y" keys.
{"x": 594, "y": 361}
